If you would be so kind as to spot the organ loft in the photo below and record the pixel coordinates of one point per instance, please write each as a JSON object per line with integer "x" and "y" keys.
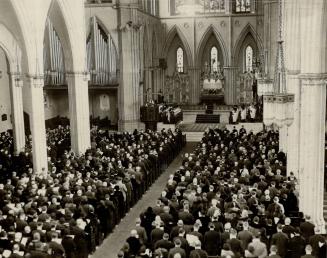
{"x": 204, "y": 116}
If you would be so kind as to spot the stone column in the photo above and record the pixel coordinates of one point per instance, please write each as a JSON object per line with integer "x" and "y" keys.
{"x": 129, "y": 113}
{"x": 230, "y": 83}
{"x": 293, "y": 64}
{"x": 312, "y": 142}
{"x": 79, "y": 111}
{"x": 312, "y": 108}
{"x": 293, "y": 139}
{"x": 17, "y": 111}
{"x": 37, "y": 123}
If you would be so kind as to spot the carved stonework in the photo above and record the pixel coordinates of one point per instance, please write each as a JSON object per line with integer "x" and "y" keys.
{"x": 313, "y": 79}
{"x": 186, "y": 25}
{"x": 223, "y": 24}
{"x": 237, "y": 23}
{"x": 200, "y": 25}
{"x": 35, "y": 81}
{"x": 177, "y": 88}
{"x": 246, "y": 88}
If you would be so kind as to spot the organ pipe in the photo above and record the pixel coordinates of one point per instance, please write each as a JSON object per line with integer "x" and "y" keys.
{"x": 55, "y": 67}
{"x": 101, "y": 56}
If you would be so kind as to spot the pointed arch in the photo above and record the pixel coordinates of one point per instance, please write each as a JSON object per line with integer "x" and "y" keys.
{"x": 58, "y": 18}
{"x": 71, "y": 14}
{"x": 26, "y": 39}
{"x": 206, "y": 35}
{"x": 10, "y": 46}
{"x": 175, "y": 31}
{"x": 248, "y": 30}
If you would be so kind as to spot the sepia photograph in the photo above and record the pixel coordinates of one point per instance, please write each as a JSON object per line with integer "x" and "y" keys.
{"x": 163, "y": 129}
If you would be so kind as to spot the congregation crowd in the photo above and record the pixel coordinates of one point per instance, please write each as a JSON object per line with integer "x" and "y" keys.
{"x": 230, "y": 198}
{"x": 69, "y": 210}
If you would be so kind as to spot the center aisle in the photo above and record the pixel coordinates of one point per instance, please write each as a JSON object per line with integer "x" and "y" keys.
{"x": 111, "y": 245}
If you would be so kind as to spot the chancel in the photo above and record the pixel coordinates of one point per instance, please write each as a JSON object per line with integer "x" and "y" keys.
{"x": 164, "y": 129}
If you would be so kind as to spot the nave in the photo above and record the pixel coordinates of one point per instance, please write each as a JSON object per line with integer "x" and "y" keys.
{"x": 111, "y": 246}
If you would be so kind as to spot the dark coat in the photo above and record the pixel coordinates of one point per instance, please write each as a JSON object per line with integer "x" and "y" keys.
{"x": 296, "y": 247}
{"x": 281, "y": 241}
{"x": 212, "y": 243}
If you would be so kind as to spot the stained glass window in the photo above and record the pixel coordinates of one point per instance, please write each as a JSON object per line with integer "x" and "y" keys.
{"x": 180, "y": 60}
{"x": 248, "y": 59}
{"x": 214, "y": 59}
{"x": 243, "y": 6}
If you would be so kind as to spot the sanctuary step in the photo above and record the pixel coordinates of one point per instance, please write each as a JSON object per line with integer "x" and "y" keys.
{"x": 207, "y": 118}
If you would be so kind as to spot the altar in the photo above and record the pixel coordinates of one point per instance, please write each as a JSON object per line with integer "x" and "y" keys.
{"x": 212, "y": 86}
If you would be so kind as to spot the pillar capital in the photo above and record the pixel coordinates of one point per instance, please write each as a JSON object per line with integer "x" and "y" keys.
{"x": 35, "y": 80}
{"x": 313, "y": 79}
{"x": 16, "y": 79}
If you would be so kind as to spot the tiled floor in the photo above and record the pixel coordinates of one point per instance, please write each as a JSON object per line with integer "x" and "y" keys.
{"x": 111, "y": 246}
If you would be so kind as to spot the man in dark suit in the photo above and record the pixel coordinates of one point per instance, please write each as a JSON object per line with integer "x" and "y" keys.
{"x": 198, "y": 252}
{"x": 212, "y": 241}
{"x": 184, "y": 244}
{"x": 164, "y": 243}
{"x": 156, "y": 233}
{"x": 177, "y": 250}
{"x": 317, "y": 241}
{"x": 134, "y": 242}
{"x": 296, "y": 245}
{"x": 280, "y": 239}
{"x": 235, "y": 244}
{"x": 307, "y": 229}
{"x": 245, "y": 235}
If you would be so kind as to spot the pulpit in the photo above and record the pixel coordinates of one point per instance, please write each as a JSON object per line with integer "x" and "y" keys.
{"x": 149, "y": 115}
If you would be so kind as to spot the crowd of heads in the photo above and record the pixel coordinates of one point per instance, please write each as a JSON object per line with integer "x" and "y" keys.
{"x": 230, "y": 198}
{"x": 68, "y": 211}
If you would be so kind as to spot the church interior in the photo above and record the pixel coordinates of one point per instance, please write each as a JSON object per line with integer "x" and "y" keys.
{"x": 171, "y": 128}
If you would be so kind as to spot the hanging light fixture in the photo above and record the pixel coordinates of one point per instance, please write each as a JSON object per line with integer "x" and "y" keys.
{"x": 278, "y": 107}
